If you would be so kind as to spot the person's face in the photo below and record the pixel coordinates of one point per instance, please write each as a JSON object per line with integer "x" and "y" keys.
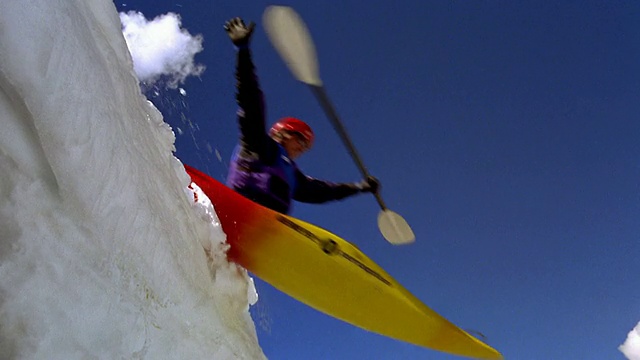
{"x": 295, "y": 144}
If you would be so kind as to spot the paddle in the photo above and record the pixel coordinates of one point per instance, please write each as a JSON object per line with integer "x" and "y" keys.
{"x": 289, "y": 35}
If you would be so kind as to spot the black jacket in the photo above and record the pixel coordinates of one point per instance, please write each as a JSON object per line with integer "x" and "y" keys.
{"x": 260, "y": 168}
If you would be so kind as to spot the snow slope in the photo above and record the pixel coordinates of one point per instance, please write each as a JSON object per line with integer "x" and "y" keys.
{"x": 102, "y": 252}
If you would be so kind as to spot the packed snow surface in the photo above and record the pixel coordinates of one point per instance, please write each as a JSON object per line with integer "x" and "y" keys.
{"x": 103, "y": 253}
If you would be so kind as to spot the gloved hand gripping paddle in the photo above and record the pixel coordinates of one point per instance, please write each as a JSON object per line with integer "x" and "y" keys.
{"x": 290, "y": 37}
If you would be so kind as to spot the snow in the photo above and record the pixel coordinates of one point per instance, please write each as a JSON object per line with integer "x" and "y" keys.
{"x": 631, "y": 347}
{"x": 161, "y": 47}
{"x": 103, "y": 253}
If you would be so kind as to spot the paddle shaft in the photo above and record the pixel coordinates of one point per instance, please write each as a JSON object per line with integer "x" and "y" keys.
{"x": 329, "y": 109}
{"x": 290, "y": 37}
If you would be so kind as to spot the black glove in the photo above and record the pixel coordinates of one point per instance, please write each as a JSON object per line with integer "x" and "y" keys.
{"x": 239, "y": 33}
{"x": 370, "y": 184}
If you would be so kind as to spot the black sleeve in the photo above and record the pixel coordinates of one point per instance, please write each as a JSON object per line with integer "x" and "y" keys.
{"x": 251, "y": 111}
{"x": 310, "y": 190}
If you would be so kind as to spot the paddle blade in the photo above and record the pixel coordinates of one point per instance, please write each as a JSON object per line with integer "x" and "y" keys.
{"x": 394, "y": 228}
{"x": 290, "y": 37}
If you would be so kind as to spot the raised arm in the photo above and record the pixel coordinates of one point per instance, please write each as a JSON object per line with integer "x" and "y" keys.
{"x": 251, "y": 111}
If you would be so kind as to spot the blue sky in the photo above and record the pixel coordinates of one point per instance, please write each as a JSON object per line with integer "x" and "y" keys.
{"x": 505, "y": 133}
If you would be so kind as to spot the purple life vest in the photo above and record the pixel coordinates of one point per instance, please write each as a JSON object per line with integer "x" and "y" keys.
{"x": 271, "y": 185}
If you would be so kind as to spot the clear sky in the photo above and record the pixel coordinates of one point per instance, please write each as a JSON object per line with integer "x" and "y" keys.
{"x": 506, "y": 133}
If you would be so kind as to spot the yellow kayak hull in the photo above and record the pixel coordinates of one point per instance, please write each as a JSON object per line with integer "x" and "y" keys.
{"x": 330, "y": 274}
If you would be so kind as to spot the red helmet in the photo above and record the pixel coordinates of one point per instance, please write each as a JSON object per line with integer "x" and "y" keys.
{"x": 293, "y": 125}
